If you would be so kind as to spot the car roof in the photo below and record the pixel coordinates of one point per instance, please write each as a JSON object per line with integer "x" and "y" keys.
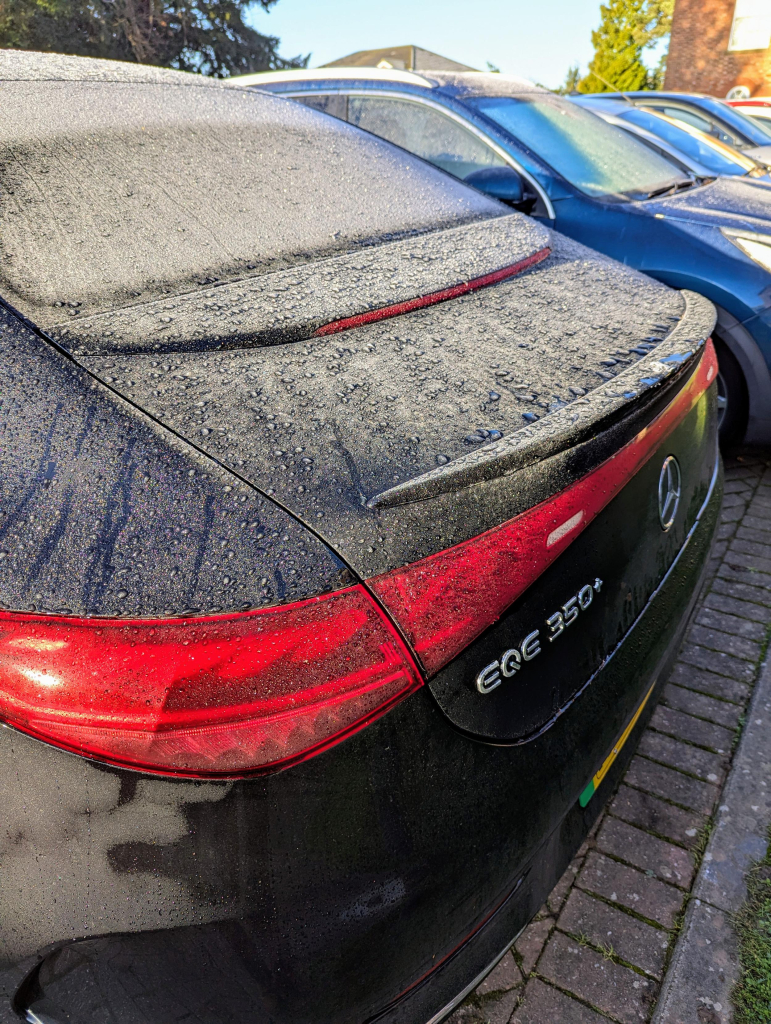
{"x": 655, "y": 95}
{"x": 30, "y": 66}
{"x": 330, "y": 74}
{"x": 459, "y": 83}
{"x": 609, "y": 103}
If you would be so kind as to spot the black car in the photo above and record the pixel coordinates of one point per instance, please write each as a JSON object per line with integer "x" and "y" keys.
{"x": 349, "y": 523}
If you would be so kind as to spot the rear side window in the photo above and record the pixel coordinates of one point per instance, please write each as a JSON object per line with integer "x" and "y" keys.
{"x": 335, "y": 106}
{"x": 425, "y": 131}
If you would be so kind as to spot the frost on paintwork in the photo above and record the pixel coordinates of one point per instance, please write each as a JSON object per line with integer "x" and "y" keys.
{"x": 102, "y": 512}
{"x": 292, "y": 304}
{"x": 324, "y": 424}
{"x": 136, "y": 191}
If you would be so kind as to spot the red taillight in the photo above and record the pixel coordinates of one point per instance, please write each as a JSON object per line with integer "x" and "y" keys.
{"x": 225, "y": 695}
{"x": 445, "y": 601}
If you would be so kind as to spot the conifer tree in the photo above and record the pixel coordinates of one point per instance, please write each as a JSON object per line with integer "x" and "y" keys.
{"x": 207, "y": 36}
{"x": 627, "y": 28}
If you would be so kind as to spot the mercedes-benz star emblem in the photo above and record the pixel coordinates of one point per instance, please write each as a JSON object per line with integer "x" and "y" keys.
{"x": 669, "y": 491}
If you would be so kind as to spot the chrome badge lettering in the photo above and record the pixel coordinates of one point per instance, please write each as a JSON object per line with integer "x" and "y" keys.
{"x": 512, "y": 660}
{"x": 509, "y": 663}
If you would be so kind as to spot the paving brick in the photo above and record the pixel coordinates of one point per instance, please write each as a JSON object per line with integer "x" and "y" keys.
{"x": 751, "y": 547}
{"x": 667, "y": 861}
{"x": 694, "y": 730}
{"x": 717, "y": 711}
{"x": 531, "y": 942}
{"x": 683, "y": 756}
{"x": 737, "y": 486}
{"x": 725, "y": 531}
{"x": 634, "y": 941}
{"x": 561, "y": 889}
{"x": 747, "y": 592}
{"x": 757, "y": 522}
{"x": 610, "y": 987}
{"x": 716, "y": 640}
{"x": 727, "y": 623}
{"x": 654, "y": 815}
{"x": 743, "y": 609}
{"x": 708, "y": 682}
{"x": 713, "y": 661}
{"x": 489, "y": 1009}
{"x": 499, "y": 1008}
{"x": 744, "y": 532}
{"x": 671, "y": 785}
{"x": 731, "y": 500}
{"x": 732, "y": 514}
{"x": 738, "y": 574}
{"x": 543, "y": 1004}
{"x": 745, "y": 553}
{"x": 504, "y": 976}
{"x": 658, "y": 901}
{"x": 719, "y": 548}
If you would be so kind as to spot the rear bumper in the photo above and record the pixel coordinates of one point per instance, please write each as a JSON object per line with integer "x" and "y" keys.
{"x": 402, "y": 861}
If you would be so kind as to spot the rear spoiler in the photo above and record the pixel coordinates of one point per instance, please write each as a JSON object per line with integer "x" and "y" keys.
{"x": 673, "y": 357}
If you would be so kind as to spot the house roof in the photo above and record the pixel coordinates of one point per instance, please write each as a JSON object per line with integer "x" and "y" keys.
{"x": 401, "y": 58}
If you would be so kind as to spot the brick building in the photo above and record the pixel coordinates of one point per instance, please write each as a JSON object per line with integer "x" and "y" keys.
{"x": 719, "y": 44}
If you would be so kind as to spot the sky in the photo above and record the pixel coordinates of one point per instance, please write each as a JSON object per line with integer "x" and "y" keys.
{"x": 537, "y": 40}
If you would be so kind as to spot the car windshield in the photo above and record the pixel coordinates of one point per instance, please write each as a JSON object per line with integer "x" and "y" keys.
{"x": 710, "y": 153}
{"x": 598, "y": 158}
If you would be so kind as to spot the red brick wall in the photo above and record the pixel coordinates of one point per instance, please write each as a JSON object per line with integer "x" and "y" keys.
{"x": 699, "y": 60}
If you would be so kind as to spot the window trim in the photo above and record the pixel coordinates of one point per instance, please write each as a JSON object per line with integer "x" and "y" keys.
{"x": 442, "y": 109}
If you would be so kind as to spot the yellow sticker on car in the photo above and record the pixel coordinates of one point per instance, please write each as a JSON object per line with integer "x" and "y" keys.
{"x": 593, "y": 786}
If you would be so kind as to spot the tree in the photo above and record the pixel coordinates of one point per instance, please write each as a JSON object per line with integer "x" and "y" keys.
{"x": 627, "y": 28}
{"x": 206, "y": 36}
{"x": 572, "y": 78}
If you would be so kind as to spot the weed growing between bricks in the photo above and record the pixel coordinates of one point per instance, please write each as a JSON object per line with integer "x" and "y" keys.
{"x": 601, "y": 944}
{"x": 752, "y": 995}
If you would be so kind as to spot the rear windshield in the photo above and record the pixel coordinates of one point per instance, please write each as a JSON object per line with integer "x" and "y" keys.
{"x": 132, "y": 191}
{"x": 598, "y": 158}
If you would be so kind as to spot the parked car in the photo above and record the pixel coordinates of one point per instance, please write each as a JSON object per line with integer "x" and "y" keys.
{"x": 759, "y": 108}
{"x": 718, "y": 118}
{"x": 696, "y": 152}
{"x": 570, "y": 169}
{"x": 349, "y": 525}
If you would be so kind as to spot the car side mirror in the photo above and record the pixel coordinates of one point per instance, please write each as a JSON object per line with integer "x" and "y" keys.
{"x": 502, "y": 183}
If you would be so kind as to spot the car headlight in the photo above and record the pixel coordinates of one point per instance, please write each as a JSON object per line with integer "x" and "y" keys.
{"x": 757, "y": 247}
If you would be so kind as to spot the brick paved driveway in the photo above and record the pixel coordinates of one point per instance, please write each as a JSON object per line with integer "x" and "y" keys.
{"x": 598, "y": 949}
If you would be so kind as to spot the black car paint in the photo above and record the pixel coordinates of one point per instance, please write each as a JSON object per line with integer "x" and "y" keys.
{"x": 326, "y": 424}
{"x": 358, "y": 871}
{"x": 370, "y": 882}
{"x": 110, "y": 514}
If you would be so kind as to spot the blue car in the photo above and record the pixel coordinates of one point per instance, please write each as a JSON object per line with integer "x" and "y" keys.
{"x": 566, "y": 166}
{"x": 713, "y": 116}
{"x": 698, "y": 152}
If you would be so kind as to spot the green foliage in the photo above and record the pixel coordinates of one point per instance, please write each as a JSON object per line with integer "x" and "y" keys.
{"x": 752, "y": 995}
{"x": 627, "y": 28}
{"x": 207, "y": 36}
{"x": 572, "y": 78}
